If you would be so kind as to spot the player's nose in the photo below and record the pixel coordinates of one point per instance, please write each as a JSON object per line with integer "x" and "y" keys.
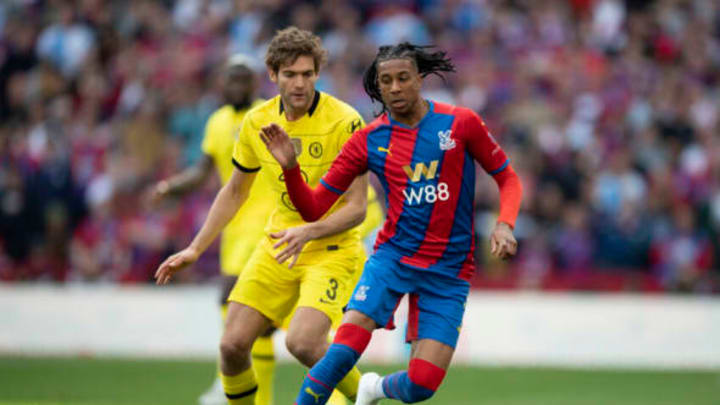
{"x": 395, "y": 87}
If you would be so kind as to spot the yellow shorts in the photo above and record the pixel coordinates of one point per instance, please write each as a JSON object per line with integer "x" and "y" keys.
{"x": 359, "y": 265}
{"x": 322, "y": 280}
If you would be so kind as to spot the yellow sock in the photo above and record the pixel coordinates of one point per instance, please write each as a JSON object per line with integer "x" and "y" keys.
{"x": 336, "y": 398}
{"x": 263, "y": 362}
{"x": 240, "y": 389}
{"x": 349, "y": 385}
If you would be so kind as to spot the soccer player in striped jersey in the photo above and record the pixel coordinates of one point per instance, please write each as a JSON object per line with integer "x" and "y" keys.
{"x": 424, "y": 154}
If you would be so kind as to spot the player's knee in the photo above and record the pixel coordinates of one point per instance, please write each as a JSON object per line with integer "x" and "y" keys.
{"x": 425, "y": 378}
{"x": 303, "y": 348}
{"x": 235, "y": 347}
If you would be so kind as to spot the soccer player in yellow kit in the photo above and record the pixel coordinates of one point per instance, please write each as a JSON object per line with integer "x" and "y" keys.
{"x": 242, "y": 235}
{"x": 322, "y": 277}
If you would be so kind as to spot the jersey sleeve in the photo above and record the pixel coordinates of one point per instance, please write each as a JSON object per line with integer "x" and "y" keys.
{"x": 481, "y": 144}
{"x": 244, "y": 157}
{"x": 350, "y": 163}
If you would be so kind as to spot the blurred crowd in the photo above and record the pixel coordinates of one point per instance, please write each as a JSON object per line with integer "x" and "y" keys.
{"x": 608, "y": 109}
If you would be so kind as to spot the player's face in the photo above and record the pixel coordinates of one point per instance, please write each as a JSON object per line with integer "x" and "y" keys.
{"x": 296, "y": 83}
{"x": 239, "y": 86}
{"x": 400, "y": 85}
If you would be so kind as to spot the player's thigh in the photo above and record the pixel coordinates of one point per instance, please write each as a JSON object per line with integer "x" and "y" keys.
{"x": 309, "y": 324}
{"x": 269, "y": 287}
{"x": 244, "y": 324}
{"x": 359, "y": 319}
{"x": 325, "y": 281}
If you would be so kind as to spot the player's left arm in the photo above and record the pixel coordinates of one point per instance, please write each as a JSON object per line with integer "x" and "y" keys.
{"x": 486, "y": 151}
{"x": 348, "y": 216}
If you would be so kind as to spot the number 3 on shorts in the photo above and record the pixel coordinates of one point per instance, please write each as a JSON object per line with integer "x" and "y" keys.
{"x": 332, "y": 291}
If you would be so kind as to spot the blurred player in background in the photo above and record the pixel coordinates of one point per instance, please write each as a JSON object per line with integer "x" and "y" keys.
{"x": 243, "y": 233}
{"x": 423, "y": 153}
{"x": 321, "y": 278}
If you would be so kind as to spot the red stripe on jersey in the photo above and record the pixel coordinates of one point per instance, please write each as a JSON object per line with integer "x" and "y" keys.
{"x": 443, "y": 214}
{"x": 468, "y": 268}
{"x": 402, "y": 146}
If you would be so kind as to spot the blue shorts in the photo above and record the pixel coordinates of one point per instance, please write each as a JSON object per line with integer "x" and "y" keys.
{"x": 437, "y": 301}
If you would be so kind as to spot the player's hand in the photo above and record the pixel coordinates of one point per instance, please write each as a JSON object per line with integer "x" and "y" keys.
{"x": 279, "y": 144}
{"x": 175, "y": 263}
{"x": 502, "y": 241}
{"x": 295, "y": 238}
{"x": 156, "y": 193}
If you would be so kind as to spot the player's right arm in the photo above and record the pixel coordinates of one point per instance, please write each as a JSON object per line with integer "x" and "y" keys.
{"x": 190, "y": 178}
{"x": 312, "y": 204}
{"x": 183, "y": 182}
{"x": 227, "y": 202}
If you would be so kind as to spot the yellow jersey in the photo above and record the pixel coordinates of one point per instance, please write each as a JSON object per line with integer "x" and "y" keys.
{"x": 318, "y": 137}
{"x": 241, "y": 236}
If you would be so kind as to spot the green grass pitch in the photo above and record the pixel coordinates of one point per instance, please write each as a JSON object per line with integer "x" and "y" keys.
{"x": 66, "y": 381}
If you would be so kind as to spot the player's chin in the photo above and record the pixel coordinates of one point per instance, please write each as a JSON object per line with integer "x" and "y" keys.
{"x": 399, "y": 109}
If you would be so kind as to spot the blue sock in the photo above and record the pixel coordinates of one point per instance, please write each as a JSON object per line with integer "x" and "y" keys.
{"x": 416, "y": 384}
{"x": 399, "y": 386}
{"x": 326, "y": 374}
{"x": 350, "y": 341}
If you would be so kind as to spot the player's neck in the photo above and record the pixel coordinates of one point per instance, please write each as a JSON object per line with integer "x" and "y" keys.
{"x": 294, "y": 114}
{"x": 414, "y": 116}
{"x": 240, "y": 106}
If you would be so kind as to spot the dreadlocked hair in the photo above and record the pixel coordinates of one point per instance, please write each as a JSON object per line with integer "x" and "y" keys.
{"x": 427, "y": 62}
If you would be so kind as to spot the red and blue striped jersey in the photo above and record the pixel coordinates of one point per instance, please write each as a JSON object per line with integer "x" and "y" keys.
{"x": 428, "y": 174}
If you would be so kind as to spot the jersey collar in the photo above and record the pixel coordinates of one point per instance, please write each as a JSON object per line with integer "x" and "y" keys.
{"x": 313, "y": 106}
{"x": 431, "y": 108}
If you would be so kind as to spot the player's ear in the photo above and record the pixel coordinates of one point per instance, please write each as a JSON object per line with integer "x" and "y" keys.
{"x": 273, "y": 75}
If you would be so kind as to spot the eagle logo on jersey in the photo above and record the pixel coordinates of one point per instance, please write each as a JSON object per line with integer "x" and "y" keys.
{"x": 446, "y": 143}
